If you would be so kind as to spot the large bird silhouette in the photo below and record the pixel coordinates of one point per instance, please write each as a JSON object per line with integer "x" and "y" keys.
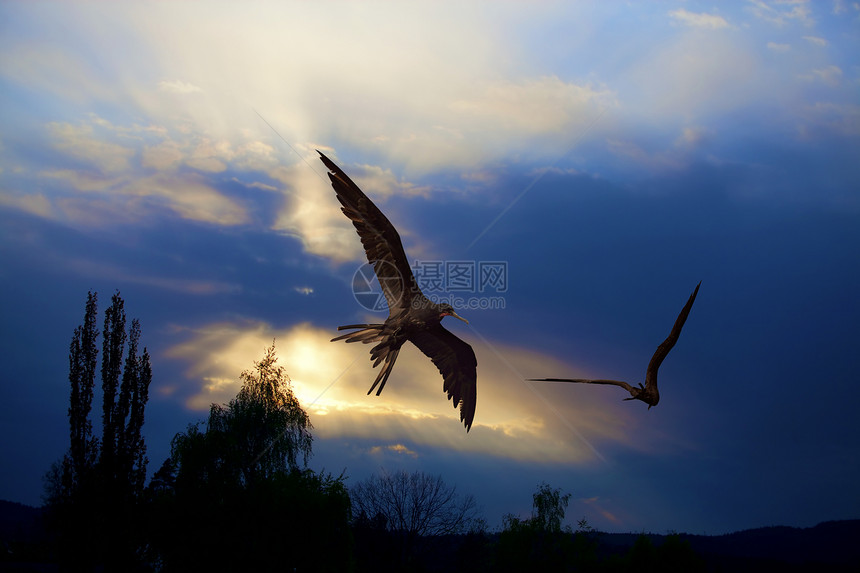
{"x": 411, "y": 315}
{"x": 647, "y": 393}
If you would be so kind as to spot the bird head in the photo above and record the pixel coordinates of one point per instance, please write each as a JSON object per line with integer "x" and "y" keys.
{"x": 448, "y": 310}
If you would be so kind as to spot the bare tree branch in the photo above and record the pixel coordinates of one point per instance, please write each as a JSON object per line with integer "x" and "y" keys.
{"x": 416, "y": 504}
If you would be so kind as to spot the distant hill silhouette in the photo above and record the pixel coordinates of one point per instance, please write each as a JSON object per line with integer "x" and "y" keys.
{"x": 19, "y": 521}
{"x": 23, "y": 541}
{"x": 828, "y": 546}
{"x": 831, "y": 544}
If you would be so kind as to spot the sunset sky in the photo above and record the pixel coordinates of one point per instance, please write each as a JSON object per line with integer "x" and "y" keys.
{"x": 603, "y": 157}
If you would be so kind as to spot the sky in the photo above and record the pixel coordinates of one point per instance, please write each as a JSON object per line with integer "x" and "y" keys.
{"x": 563, "y": 173}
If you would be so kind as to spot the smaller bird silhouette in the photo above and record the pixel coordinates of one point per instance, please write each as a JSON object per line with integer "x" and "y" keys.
{"x": 647, "y": 393}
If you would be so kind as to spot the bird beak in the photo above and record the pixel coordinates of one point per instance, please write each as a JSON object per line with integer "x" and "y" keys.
{"x": 455, "y": 315}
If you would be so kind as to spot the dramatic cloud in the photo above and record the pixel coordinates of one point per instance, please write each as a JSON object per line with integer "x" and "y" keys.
{"x": 110, "y": 201}
{"x": 311, "y": 213}
{"x": 516, "y": 419}
{"x": 409, "y": 106}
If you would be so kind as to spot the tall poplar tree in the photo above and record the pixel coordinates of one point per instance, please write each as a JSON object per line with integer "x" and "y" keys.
{"x": 94, "y": 493}
{"x": 83, "y": 355}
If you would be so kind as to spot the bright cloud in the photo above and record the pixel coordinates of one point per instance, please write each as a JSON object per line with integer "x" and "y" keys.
{"x": 311, "y": 213}
{"x": 515, "y": 419}
{"x": 116, "y": 173}
{"x": 156, "y": 169}
{"x": 699, "y": 20}
{"x": 409, "y": 109}
{"x": 408, "y": 105}
{"x": 399, "y": 449}
{"x": 190, "y": 197}
{"x": 108, "y": 201}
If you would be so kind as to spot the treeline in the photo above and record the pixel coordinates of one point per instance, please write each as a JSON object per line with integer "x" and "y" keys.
{"x": 236, "y": 494}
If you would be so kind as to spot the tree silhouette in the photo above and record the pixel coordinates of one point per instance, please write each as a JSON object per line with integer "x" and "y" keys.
{"x": 235, "y": 493}
{"x": 540, "y": 543}
{"x": 415, "y": 504}
{"x": 410, "y": 506}
{"x": 267, "y": 429}
{"x": 83, "y": 356}
{"x": 94, "y": 493}
{"x": 548, "y": 508}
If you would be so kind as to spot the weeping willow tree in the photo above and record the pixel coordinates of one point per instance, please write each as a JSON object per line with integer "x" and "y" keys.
{"x": 264, "y": 429}
{"x": 236, "y": 493}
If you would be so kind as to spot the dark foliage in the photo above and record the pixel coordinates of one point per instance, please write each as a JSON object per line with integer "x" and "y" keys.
{"x": 540, "y": 542}
{"x": 94, "y": 494}
{"x": 233, "y": 496}
{"x": 673, "y": 554}
{"x": 294, "y": 520}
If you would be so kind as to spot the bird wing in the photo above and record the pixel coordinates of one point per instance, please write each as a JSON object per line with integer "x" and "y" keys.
{"x": 456, "y": 362}
{"x": 624, "y": 385}
{"x": 380, "y": 239}
{"x": 666, "y": 346}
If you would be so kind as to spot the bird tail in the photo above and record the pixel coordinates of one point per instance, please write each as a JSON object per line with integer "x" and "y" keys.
{"x": 385, "y": 352}
{"x": 389, "y": 355}
{"x": 366, "y": 333}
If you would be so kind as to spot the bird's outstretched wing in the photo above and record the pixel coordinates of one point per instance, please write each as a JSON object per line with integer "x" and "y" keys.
{"x": 380, "y": 239}
{"x": 666, "y": 346}
{"x": 624, "y": 385}
{"x": 456, "y": 362}
{"x": 647, "y": 393}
